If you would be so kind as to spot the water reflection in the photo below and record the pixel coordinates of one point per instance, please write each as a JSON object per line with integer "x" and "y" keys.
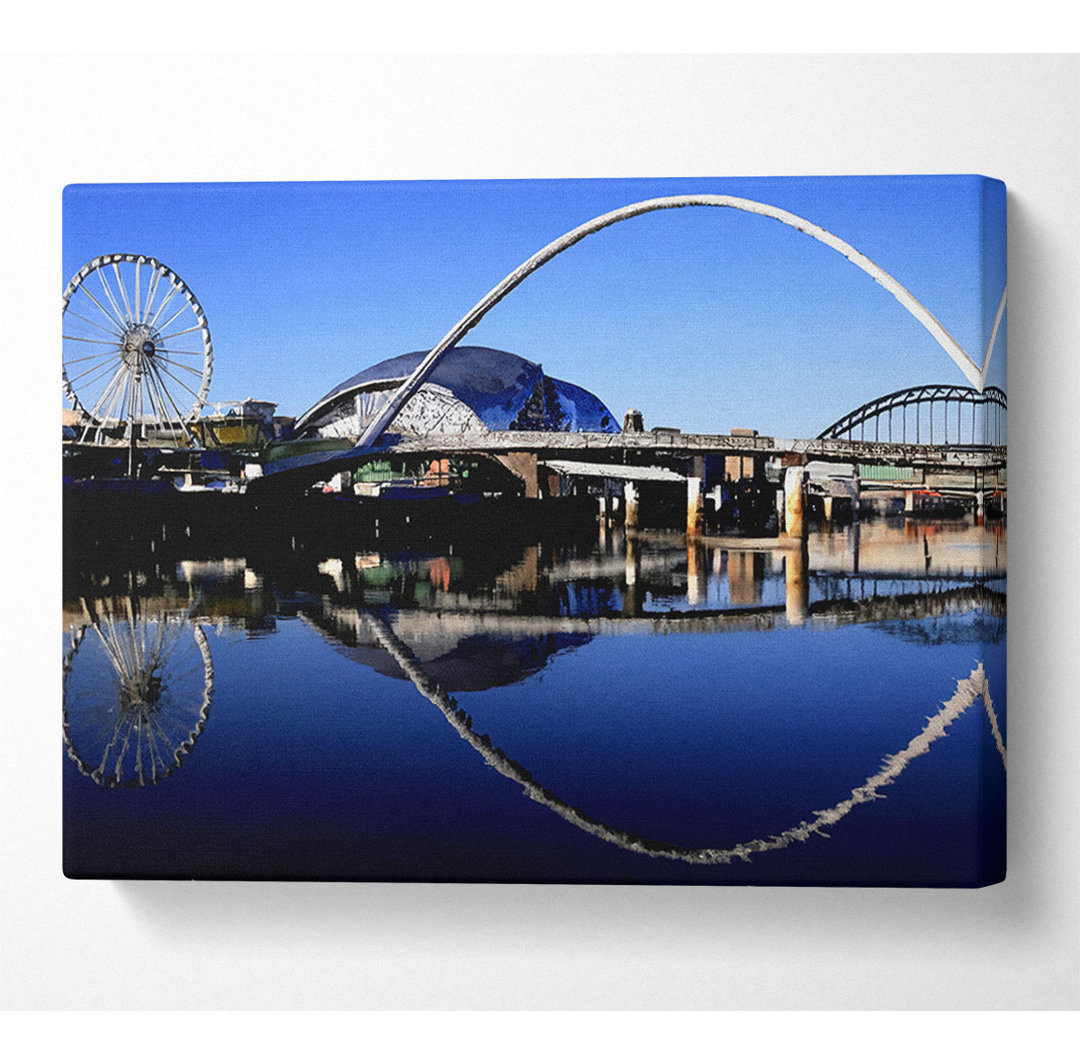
{"x": 967, "y": 691}
{"x": 138, "y": 684}
{"x": 493, "y": 621}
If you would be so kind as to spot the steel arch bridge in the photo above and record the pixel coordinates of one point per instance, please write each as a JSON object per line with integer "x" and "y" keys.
{"x": 930, "y": 413}
{"x": 971, "y": 369}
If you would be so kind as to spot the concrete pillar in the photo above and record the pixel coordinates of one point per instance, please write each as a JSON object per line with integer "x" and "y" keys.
{"x": 630, "y": 494}
{"x": 631, "y": 588}
{"x": 604, "y": 508}
{"x": 795, "y": 502}
{"x": 523, "y": 464}
{"x": 695, "y": 507}
{"x": 909, "y": 502}
{"x": 980, "y": 508}
{"x": 827, "y": 502}
{"x": 697, "y": 572}
{"x": 797, "y": 585}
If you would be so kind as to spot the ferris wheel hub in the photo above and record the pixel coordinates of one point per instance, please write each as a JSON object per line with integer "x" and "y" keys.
{"x": 138, "y": 346}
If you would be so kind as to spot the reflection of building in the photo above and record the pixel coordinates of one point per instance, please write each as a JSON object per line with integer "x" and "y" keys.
{"x": 746, "y": 575}
{"x": 738, "y": 466}
{"x": 471, "y": 389}
{"x": 459, "y": 653}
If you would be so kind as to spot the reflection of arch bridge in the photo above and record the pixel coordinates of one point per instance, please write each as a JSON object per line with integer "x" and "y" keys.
{"x": 970, "y": 689}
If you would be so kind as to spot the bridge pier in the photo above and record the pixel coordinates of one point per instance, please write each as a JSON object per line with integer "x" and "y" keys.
{"x": 631, "y": 591}
{"x": 695, "y": 507}
{"x": 603, "y": 509}
{"x": 525, "y": 466}
{"x": 795, "y": 526}
{"x": 697, "y": 572}
{"x": 632, "y": 498}
{"x": 797, "y": 585}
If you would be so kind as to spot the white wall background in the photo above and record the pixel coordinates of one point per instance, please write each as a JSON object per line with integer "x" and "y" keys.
{"x": 267, "y": 945}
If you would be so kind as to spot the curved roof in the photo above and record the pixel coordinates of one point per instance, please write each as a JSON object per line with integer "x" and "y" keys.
{"x": 496, "y": 385}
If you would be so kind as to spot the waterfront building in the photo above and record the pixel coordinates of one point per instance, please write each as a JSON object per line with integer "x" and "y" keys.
{"x": 471, "y": 389}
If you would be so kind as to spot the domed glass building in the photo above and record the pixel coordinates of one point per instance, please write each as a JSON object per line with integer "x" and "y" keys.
{"x": 471, "y": 389}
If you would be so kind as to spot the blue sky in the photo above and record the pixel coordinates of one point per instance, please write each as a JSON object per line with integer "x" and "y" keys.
{"x": 704, "y": 319}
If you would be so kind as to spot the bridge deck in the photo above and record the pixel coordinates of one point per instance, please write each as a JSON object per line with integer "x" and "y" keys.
{"x": 680, "y": 444}
{"x": 643, "y": 448}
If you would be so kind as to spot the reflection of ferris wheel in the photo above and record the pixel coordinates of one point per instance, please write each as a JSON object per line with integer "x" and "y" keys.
{"x": 137, "y": 696}
{"x": 137, "y": 351}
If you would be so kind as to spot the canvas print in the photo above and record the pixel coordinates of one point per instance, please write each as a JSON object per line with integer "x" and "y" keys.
{"x": 555, "y": 531}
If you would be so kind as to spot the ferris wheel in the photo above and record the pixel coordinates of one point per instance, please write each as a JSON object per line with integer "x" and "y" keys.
{"x": 137, "y": 356}
{"x": 136, "y": 694}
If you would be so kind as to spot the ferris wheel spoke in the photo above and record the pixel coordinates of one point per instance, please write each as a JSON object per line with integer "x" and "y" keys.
{"x": 111, "y": 653}
{"x": 126, "y": 670}
{"x": 138, "y": 294}
{"x": 91, "y": 340}
{"x": 115, "y": 321}
{"x": 110, "y": 746}
{"x": 112, "y": 299}
{"x": 119, "y": 763}
{"x": 96, "y": 325}
{"x": 181, "y": 365}
{"x": 165, "y": 325}
{"x": 123, "y": 412}
{"x": 168, "y": 741}
{"x": 134, "y": 636}
{"x": 138, "y": 753}
{"x": 87, "y": 358}
{"x": 151, "y": 293}
{"x": 174, "y": 377}
{"x": 100, "y": 367}
{"x": 168, "y": 395}
{"x": 160, "y": 406}
{"x": 144, "y": 395}
{"x": 151, "y": 750}
{"x": 149, "y": 384}
{"x": 108, "y": 413}
{"x": 110, "y": 388}
{"x": 173, "y": 290}
{"x": 100, "y": 370}
{"x": 182, "y": 332}
{"x": 155, "y": 372}
{"x": 123, "y": 292}
{"x": 129, "y": 399}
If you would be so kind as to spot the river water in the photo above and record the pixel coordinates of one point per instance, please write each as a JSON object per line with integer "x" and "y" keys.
{"x": 578, "y": 709}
